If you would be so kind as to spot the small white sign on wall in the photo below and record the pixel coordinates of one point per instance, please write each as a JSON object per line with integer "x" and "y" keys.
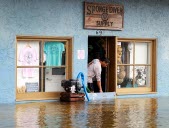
{"x": 80, "y": 54}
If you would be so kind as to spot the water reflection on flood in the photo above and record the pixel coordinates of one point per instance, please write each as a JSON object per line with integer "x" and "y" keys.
{"x": 119, "y": 113}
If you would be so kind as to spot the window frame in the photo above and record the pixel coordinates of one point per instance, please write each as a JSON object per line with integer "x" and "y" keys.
{"x": 68, "y": 66}
{"x": 153, "y": 64}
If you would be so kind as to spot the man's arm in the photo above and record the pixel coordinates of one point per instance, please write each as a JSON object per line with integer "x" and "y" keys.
{"x": 97, "y": 71}
{"x": 99, "y": 86}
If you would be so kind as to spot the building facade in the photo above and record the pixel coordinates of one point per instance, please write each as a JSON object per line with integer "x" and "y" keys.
{"x": 40, "y": 22}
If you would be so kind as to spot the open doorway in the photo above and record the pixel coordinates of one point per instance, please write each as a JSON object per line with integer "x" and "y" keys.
{"x": 104, "y": 46}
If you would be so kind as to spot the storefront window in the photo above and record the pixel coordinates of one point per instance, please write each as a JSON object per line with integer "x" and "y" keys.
{"x": 42, "y": 65}
{"x": 135, "y": 64}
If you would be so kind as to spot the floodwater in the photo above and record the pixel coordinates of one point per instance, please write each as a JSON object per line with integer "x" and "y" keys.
{"x": 116, "y": 113}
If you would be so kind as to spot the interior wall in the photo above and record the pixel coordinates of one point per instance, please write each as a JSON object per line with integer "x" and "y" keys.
{"x": 142, "y": 18}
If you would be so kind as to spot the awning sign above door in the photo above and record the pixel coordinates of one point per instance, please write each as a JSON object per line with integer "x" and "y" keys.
{"x": 103, "y": 16}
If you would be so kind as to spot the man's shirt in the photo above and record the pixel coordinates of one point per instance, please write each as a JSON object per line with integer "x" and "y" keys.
{"x": 94, "y": 70}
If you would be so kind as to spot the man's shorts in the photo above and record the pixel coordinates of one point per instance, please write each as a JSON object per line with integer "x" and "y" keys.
{"x": 90, "y": 87}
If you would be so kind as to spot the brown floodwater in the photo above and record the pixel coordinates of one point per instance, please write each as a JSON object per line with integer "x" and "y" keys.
{"x": 117, "y": 113}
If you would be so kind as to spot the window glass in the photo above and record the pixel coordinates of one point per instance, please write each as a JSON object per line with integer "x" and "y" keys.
{"x": 28, "y": 80}
{"x": 142, "y": 53}
{"x": 40, "y": 66}
{"x": 133, "y": 64}
{"x": 142, "y": 76}
{"x": 125, "y": 53}
{"x": 125, "y": 76}
{"x": 53, "y": 78}
{"x": 28, "y": 53}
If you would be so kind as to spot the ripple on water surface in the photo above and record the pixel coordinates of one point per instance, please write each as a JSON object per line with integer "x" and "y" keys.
{"x": 119, "y": 113}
